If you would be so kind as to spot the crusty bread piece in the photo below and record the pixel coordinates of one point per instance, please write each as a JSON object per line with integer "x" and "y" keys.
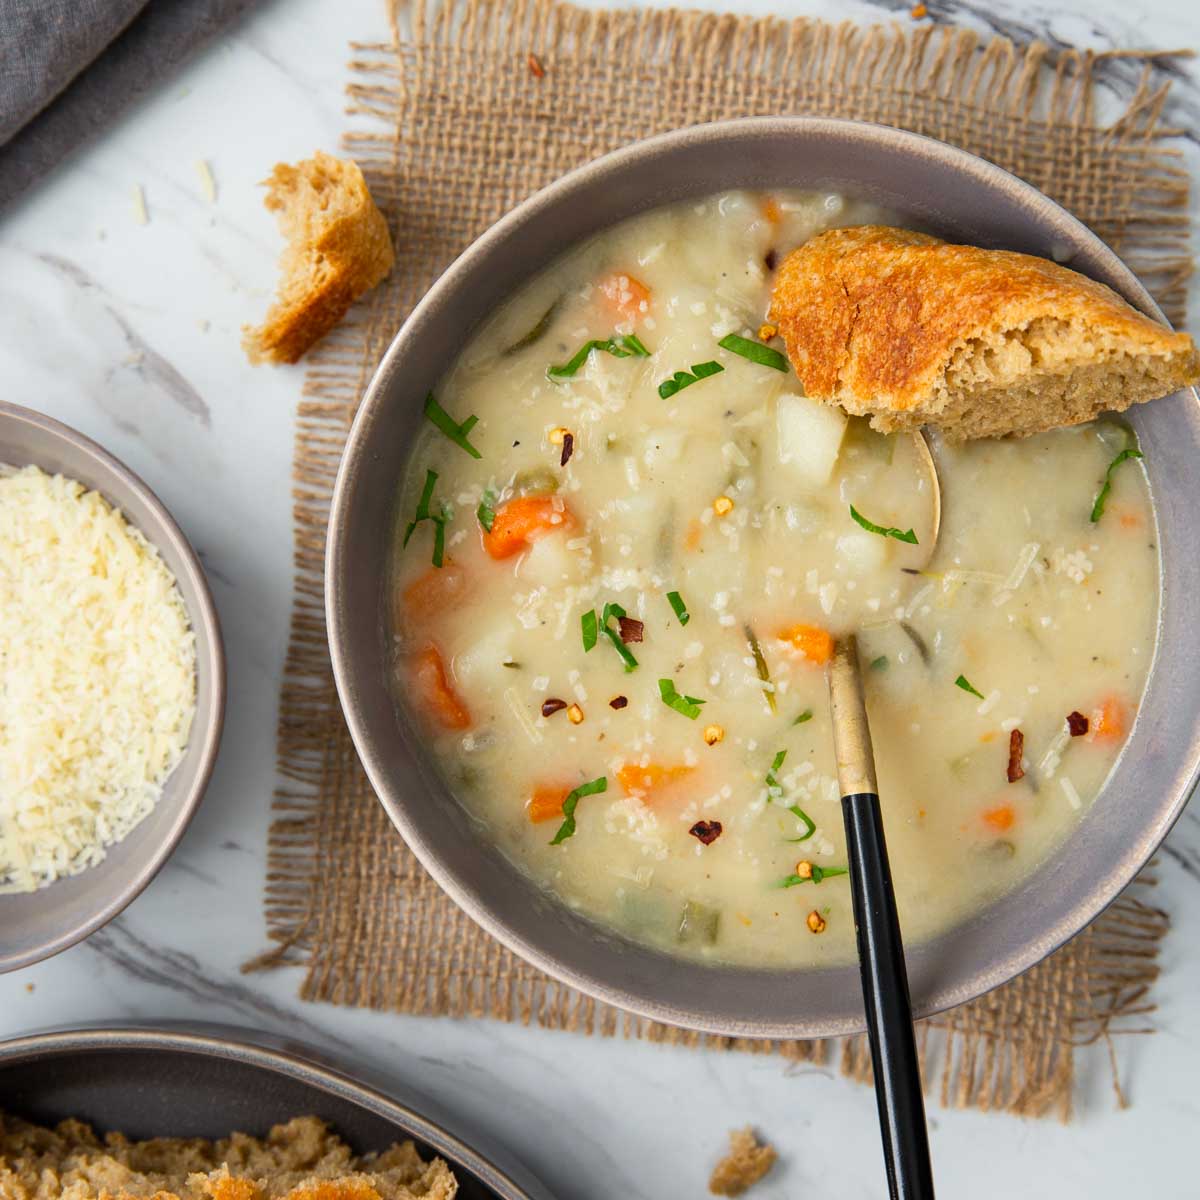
{"x": 338, "y": 247}
{"x": 912, "y": 331}
{"x": 746, "y": 1163}
{"x": 300, "y": 1160}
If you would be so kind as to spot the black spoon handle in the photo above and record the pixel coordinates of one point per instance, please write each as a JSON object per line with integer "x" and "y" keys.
{"x": 885, "y": 995}
{"x": 880, "y": 949}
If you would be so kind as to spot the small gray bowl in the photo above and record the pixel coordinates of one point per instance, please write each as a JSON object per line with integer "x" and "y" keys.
{"x": 942, "y": 189}
{"x": 35, "y": 925}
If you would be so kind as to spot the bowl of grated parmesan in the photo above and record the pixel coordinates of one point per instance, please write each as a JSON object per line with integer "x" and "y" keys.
{"x": 112, "y": 686}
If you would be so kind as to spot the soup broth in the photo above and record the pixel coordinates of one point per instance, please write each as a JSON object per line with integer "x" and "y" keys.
{"x": 648, "y": 538}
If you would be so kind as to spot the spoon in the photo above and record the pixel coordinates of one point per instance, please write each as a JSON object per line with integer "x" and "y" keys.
{"x": 928, "y": 468}
{"x": 880, "y": 948}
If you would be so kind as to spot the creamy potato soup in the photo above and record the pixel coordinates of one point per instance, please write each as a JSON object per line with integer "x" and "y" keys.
{"x": 625, "y": 544}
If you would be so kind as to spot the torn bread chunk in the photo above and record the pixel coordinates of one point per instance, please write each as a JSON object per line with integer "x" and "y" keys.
{"x": 338, "y": 248}
{"x": 910, "y": 330}
{"x": 746, "y": 1163}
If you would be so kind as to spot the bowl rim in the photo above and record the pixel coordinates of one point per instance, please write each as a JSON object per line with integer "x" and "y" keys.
{"x": 208, "y": 723}
{"x": 358, "y": 1083}
{"x": 869, "y": 136}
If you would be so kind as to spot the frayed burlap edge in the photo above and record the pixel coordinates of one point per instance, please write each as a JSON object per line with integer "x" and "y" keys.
{"x": 1012, "y": 1050}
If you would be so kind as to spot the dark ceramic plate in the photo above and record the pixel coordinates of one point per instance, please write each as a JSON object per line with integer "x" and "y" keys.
{"x": 208, "y": 1081}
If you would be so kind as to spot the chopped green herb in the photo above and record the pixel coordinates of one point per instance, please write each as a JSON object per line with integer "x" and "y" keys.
{"x": 567, "y": 828}
{"x": 590, "y": 629}
{"x": 963, "y": 682}
{"x": 775, "y": 790}
{"x": 756, "y": 352}
{"x": 624, "y": 345}
{"x": 918, "y": 641}
{"x": 512, "y": 666}
{"x": 880, "y": 663}
{"x": 537, "y": 332}
{"x": 439, "y": 541}
{"x": 450, "y": 427}
{"x": 675, "y": 600}
{"x": 773, "y": 787}
{"x": 818, "y": 873}
{"x": 1131, "y": 451}
{"x": 614, "y": 635}
{"x": 486, "y": 512}
{"x": 423, "y": 514}
{"x": 760, "y": 667}
{"x": 689, "y": 706}
{"x": 810, "y": 826}
{"x": 593, "y": 628}
{"x": 682, "y": 379}
{"x": 901, "y": 535}
{"x": 806, "y": 715}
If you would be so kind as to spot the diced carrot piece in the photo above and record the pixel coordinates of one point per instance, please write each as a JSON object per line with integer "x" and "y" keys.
{"x": 546, "y": 803}
{"x": 1110, "y": 720}
{"x": 771, "y": 210}
{"x": 815, "y": 643}
{"x": 694, "y": 536}
{"x": 435, "y": 691}
{"x": 434, "y": 591}
{"x": 628, "y": 298}
{"x": 522, "y": 519}
{"x": 643, "y": 781}
{"x": 1001, "y": 818}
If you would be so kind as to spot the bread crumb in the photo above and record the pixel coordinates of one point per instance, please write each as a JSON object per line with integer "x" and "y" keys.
{"x": 746, "y": 1163}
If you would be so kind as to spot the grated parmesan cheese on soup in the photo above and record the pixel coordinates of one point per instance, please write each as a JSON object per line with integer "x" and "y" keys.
{"x": 97, "y": 677}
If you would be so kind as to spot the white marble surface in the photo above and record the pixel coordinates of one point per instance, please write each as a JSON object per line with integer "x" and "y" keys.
{"x": 129, "y": 332}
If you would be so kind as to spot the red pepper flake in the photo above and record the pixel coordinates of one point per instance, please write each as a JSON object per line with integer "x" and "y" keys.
{"x": 535, "y": 67}
{"x": 1077, "y": 723}
{"x": 631, "y": 629}
{"x": 553, "y": 705}
{"x": 618, "y": 702}
{"x": 706, "y": 831}
{"x": 568, "y": 449}
{"x": 1016, "y": 751}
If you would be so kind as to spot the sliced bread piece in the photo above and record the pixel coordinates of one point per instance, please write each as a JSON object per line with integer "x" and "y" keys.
{"x": 338, "y": 247}
{"x": 910, "y": 331}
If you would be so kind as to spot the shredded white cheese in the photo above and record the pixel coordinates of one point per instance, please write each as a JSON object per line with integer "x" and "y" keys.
{"x": 97, "y": 677}
{"x": 207, "y": 182}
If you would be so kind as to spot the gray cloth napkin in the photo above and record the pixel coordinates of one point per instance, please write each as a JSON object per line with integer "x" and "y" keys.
{"x": 69, "y": 67}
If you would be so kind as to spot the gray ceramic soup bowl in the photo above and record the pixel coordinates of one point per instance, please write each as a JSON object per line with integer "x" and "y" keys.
{"x": 951, "y": 193}
{"x": 35, "y": 925}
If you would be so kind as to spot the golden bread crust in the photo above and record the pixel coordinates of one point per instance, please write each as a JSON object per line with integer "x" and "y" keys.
{"x": 339, "y": 247}
{"x": 878, "y": 320}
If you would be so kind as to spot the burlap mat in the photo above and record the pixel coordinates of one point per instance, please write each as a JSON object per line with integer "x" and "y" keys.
{"x": 470, "y": 109}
